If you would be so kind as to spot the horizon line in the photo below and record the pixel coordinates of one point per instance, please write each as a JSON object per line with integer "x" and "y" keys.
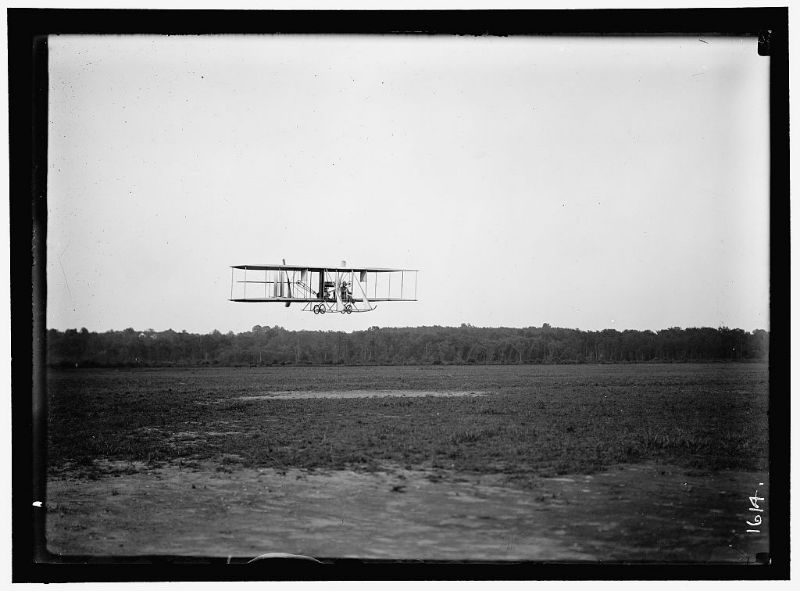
{"x": 461, "y": 326}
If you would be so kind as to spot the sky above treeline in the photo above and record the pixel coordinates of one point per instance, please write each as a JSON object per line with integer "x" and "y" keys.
{"x": 587, "y": 183}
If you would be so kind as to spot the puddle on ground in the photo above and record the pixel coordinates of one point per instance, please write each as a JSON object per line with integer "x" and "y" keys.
{"x": 631, "y": 512}
{"x": 296, "y": 394}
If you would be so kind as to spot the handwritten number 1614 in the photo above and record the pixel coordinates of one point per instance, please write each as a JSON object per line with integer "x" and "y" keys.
{"x": 754, "y": 500}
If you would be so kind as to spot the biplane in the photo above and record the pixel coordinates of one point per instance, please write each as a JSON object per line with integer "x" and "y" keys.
{"x": 323, "y": 289}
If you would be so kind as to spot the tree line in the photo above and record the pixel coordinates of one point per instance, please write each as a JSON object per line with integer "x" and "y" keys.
{"x": 264, "y": 345}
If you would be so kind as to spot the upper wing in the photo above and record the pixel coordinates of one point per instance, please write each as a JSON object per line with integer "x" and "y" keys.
{"x": 307, "y": 268}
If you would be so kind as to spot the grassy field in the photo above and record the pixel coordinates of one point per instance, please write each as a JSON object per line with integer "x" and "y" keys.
{"x": 533, "y": 421}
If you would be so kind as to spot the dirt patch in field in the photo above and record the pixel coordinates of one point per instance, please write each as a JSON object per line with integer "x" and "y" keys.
{"x": 298, "y": 394}
{"x": 632, "y": 512}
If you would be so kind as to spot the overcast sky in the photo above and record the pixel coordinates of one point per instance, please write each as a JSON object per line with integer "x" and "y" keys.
{"x": 585, "y": 183}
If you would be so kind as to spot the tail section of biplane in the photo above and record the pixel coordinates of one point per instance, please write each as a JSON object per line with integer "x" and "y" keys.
{"x": 323, "y": 289}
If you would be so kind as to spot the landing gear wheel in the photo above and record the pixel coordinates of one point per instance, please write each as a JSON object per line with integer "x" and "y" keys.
{"x": 348, "y": 308}
{"x": 316, "y": 309}
{"x": 322, "y": 309}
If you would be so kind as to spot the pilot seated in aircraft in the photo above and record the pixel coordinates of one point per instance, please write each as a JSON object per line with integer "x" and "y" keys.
{"x": 347, "y": 294}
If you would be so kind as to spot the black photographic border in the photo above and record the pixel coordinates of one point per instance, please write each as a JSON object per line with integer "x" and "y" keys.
{"x": 27, "y": 66}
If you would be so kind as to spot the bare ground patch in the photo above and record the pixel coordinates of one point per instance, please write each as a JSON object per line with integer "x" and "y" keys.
{"x": 631, "y": 512}
{"x": 313, "y": 394}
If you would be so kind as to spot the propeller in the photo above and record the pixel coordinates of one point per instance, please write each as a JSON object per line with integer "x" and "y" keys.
{"x": 288, "y": 285}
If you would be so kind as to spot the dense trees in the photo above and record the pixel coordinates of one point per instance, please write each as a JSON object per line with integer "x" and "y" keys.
{"x": 397, "y": 346}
